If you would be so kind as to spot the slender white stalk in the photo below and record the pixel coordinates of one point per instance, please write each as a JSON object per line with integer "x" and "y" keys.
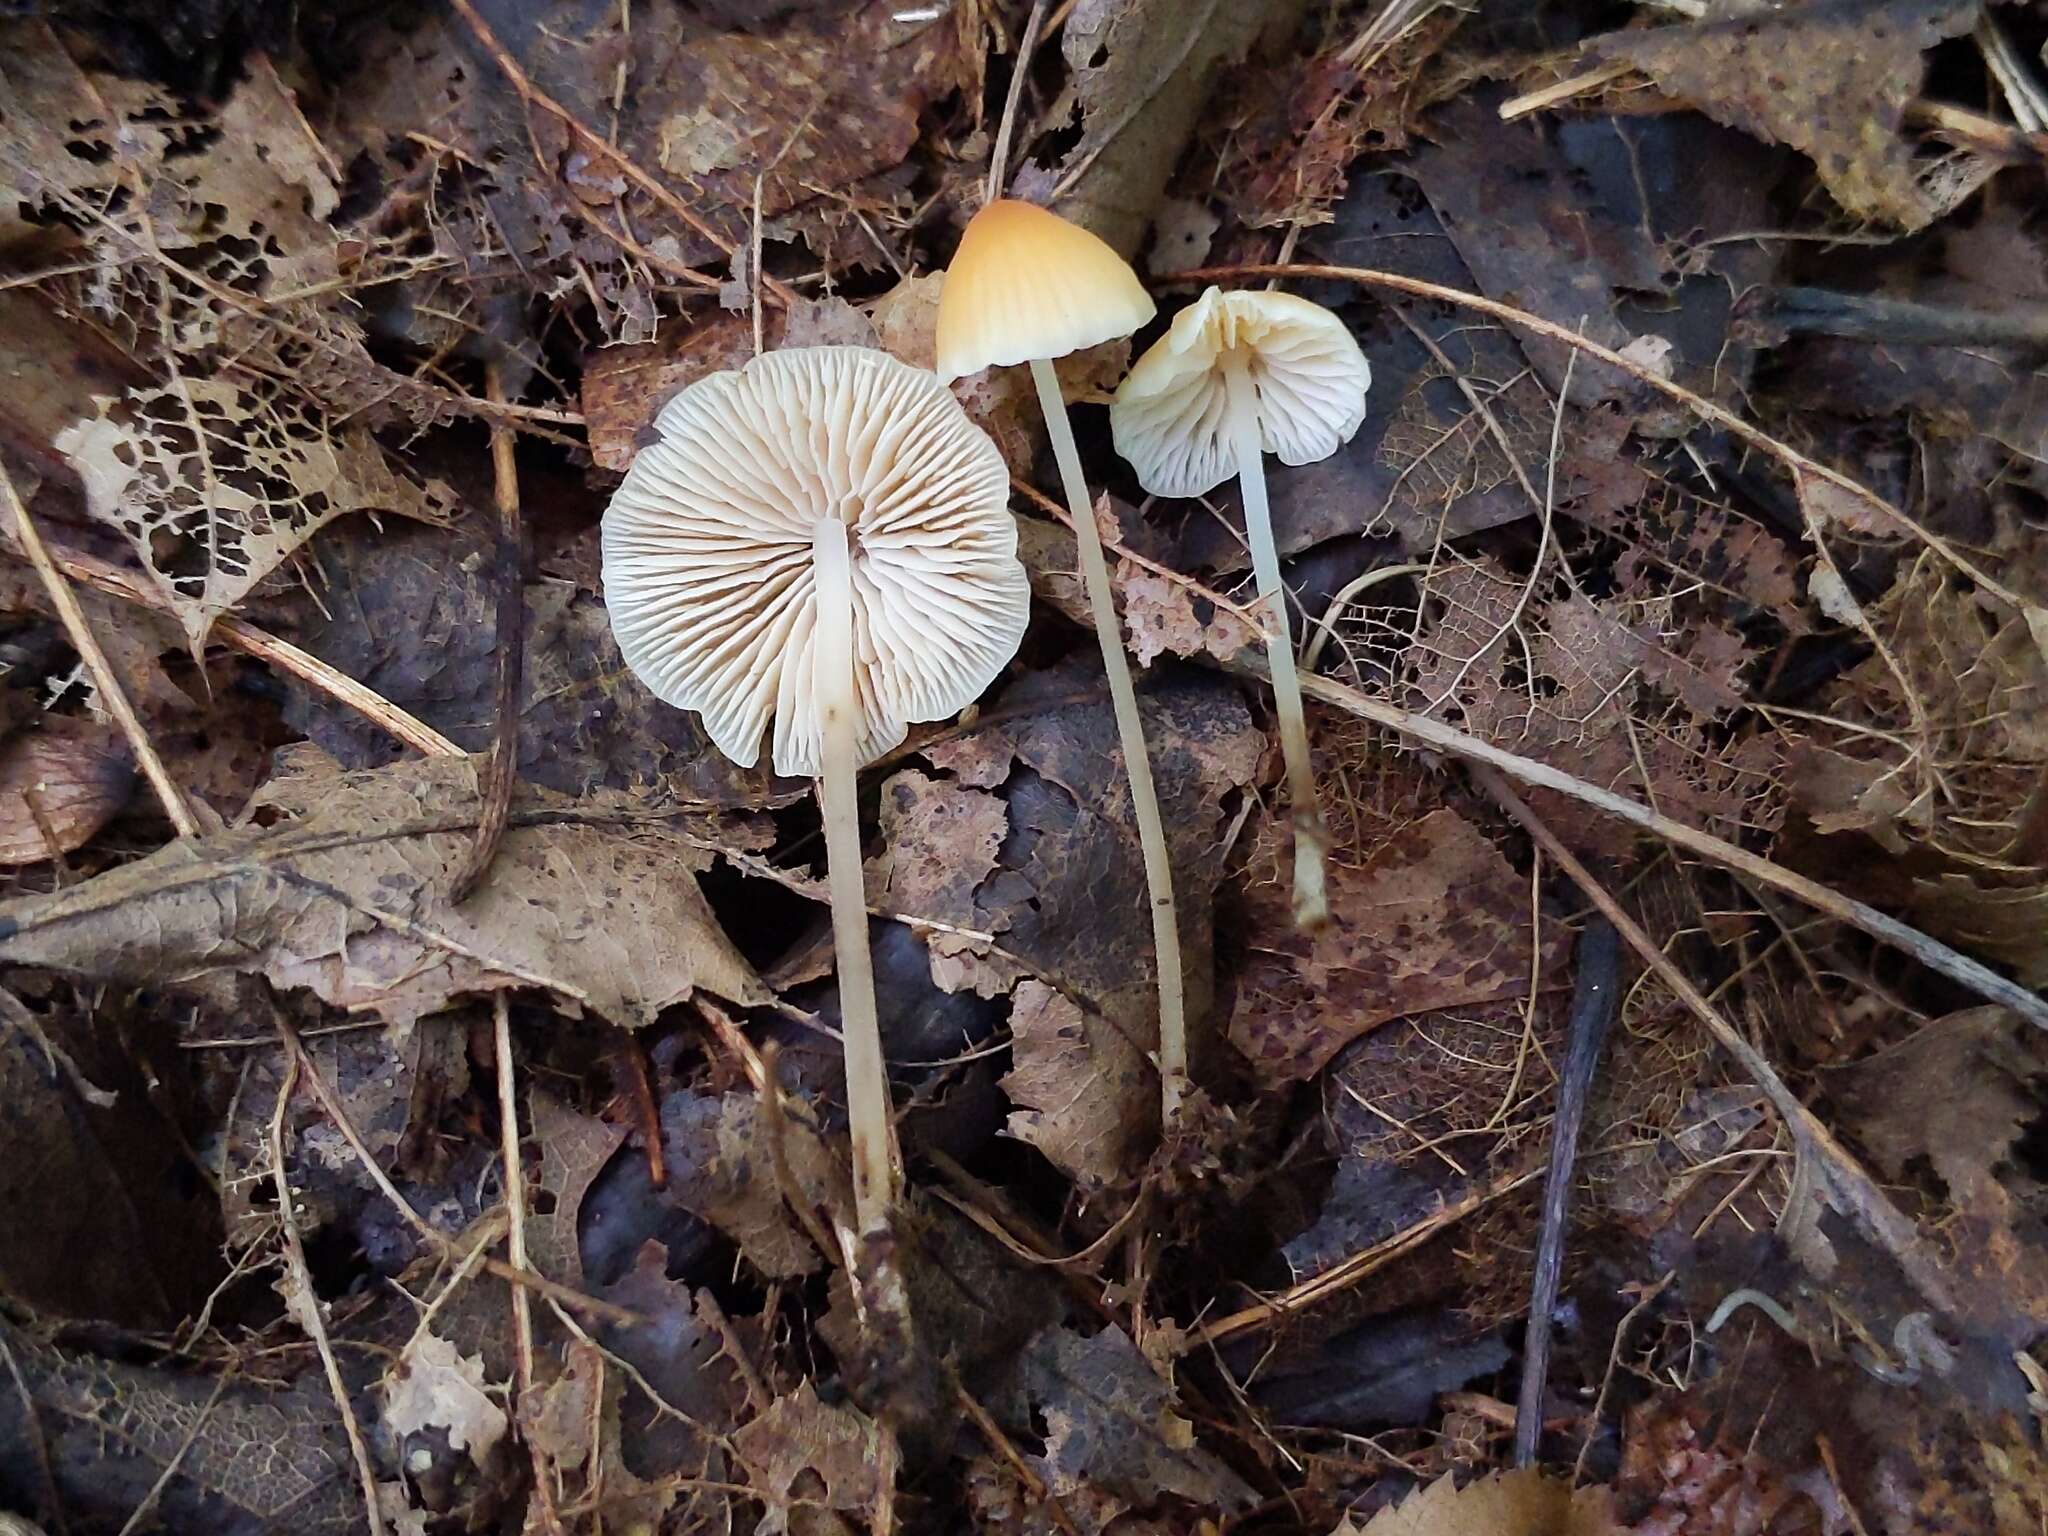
{"x": 867, "y": 1076}
{"x": 1311, "y": 898}
{"x": 1173, "y": 1023}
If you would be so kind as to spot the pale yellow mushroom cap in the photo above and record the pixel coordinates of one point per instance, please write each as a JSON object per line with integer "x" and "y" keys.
{"x": 1171, "y": 420}
{"x": 707, "y": 550}
{"x": 1027, "y": 284}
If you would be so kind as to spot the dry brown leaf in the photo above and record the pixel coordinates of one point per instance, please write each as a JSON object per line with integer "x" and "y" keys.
{"x": 1111, "y": 1429}
{"x": 347, "y": 895}
{"x": 59, "y": 784}
{"x": 1962, "y": 1097}
{"x": 1433, "y": 917}
{"x": 1830, "y": 80}
{"x": 734, "y": 1178}
{"x": 1528, "y": 1502}
{"x": 801, "y": 1441}
{"x": 433, "y": 1386}
{"x": 574, "y": 1149}
{"x": 1074, "y": 1083}
{"x": 1164, "y": 616}
{"x": 939, "y": 843}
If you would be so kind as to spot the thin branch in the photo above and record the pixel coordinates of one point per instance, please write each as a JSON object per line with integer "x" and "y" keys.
{"x": 999, "y": 156}
{"x": 112, "y": 695}
{"x": 305, "y": 1305}
{"x": 501, "y": 765}
{"x": 251, "y": 640}
{"x": 1594, "y": 1000}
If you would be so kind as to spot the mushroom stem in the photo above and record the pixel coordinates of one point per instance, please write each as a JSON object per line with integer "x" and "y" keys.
{"x": 867, "y": 1075}
{"x": 1173, "y": 1027}
{"x": 1311, "y": 898}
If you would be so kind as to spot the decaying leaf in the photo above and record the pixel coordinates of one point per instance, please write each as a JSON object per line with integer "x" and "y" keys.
{"x": 573, "y": 1151}
{"x": 434, "y": 1386}
{"x": 734, "y": 1178}
{"x": 1164, "y": 616}
{"x": 940, "y": 841}
{"x": 1067, "y": 898}
{"x": 1613, "y": 690}
{"x": 59, "y": 784}
{"x": 263, "y": 1458}
{"x": 1962, "y": 1097}
{"x": 1830, "y": 80}
{"x": 1111, "y": 1427}
{"x": 1075, "y": 1082}
{"x": 346, "y": 894}
{"x": 801, "y": 1441}
{"x": 217, "y": 484}
{"x": 1433, "y": 917}
{"x": 1528, "y": 1502}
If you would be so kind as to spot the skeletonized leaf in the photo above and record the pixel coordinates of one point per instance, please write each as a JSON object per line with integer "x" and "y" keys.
{"x": 216, "y": 485}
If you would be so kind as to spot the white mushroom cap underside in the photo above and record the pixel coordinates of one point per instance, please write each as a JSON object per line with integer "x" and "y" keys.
{"x": 707, "y": 550}
{"x": 1170, "y": 418}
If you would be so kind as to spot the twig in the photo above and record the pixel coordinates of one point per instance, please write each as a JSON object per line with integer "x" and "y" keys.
{"x": 1706, "y": 409}
{"x": 598, "y": 144}
{"x": 1594, "y": 1001}
{"x": 156, "y": 1489}
{"x": 1348, "y": 1272}
{"x": 1851, "y": 1189}
{"x": 112, "y": 695}
{"x": 999, "y": 156}
{"x": 436, "y": 1239}
{"x": 992, "y": 1432}
{"x": 305, "y": 1305}
{"x": 501, "y": 764}
{"x": 1643, "y": 1303}
{"x": 515, "y": 1239}
{"x": 626, "y": 1048}
{"x": 250, "y": 640}
{"x": 32, "y": 1423}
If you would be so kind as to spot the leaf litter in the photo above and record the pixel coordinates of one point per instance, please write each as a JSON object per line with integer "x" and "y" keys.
{"x": 260, "y": 282}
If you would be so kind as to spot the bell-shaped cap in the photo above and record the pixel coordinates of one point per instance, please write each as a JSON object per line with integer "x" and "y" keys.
{"x": 707, "y": 550}
{"x": 1171, "y": 416}
{"x": 1027, "y": 284}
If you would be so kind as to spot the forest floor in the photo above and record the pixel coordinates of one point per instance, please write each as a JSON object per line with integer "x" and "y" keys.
{"x": 380, "y": 1154}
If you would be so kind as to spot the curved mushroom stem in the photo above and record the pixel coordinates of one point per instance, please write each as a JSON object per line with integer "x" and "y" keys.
{"x": 1173, "y": 1025}
{"x": 1311, "y": 898}
{"x": 867, "y": 1075}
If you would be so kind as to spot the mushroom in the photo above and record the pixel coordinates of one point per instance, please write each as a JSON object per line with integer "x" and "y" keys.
{"x": 823, "y": 538}
{"x": 1026, "y": 286}
{"x": 1236, "y": 376}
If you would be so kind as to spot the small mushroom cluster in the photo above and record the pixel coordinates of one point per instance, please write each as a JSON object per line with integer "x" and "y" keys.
{"x": 817, "y": 549}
